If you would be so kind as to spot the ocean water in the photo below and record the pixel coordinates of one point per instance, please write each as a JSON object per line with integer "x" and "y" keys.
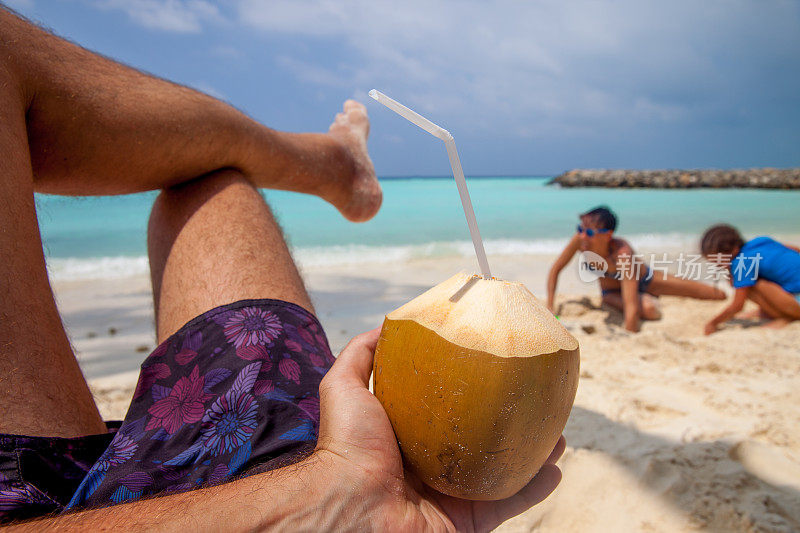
{"x": 422, "y": 217}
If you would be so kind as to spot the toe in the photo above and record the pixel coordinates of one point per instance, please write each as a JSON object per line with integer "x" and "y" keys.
{"x": 352, "y": 105}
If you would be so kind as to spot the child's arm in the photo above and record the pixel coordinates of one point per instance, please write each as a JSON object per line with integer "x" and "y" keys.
{"x": 792, "y": 247}
{"x": 629, "y": 270}
{"x": 729, "y": 312}
{"x": 629, "y": 287}
{"x": 552, "y": 279}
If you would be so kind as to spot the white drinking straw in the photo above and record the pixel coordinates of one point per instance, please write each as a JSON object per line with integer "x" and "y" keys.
{"x": 455, "y": 163}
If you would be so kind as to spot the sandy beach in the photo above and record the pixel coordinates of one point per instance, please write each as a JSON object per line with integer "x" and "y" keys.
{"x": 671, "y": 430}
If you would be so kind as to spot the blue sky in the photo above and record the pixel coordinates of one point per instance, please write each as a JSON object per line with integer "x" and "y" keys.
{"x": 525, "y": 87}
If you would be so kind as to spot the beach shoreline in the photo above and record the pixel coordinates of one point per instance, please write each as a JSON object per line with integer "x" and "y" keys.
{"x": 111, "y": 323}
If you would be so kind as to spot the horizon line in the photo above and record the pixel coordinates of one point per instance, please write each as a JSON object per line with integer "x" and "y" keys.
{"x": 477, "y": 176}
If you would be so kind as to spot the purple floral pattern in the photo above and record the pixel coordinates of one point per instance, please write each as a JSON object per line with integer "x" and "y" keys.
{"x": 182, "y": 405}
{"x": 230, "y": 421}
{"x": 235, "y": 391}
{"x": 120, "y": 450}
{"x": 252, "y": 326}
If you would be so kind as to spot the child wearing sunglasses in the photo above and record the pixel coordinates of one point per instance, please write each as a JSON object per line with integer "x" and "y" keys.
{"x": 761, "y": 270}
{"x": 626, "y": 284}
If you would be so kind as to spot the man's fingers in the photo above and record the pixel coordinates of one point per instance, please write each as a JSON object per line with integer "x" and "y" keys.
{"x": 539, "y": 488}
{"x": 557, "y": 452}
{"x": 534, "y": 492}
{"x": 355, "y": 361}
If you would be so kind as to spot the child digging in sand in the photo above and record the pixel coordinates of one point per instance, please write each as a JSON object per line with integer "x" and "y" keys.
{"x": 626, "y": 283}
{"x": 762, "y": 270}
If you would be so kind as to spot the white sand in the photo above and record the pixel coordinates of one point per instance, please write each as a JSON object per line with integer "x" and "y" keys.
{"x": 671, "y": 430}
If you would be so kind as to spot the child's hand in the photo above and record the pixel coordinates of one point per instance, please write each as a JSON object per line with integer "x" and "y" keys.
{"x": 710, "y": 328}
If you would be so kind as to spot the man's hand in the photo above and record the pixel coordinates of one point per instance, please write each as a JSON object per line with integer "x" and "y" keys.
{"x": 357, "y": 442}
{"x": 353, "y": 480}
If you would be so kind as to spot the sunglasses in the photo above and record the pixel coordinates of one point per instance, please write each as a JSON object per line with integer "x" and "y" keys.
{"x": 590, "y": 232}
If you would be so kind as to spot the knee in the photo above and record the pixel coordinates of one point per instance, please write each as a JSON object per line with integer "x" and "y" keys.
{"x": 610, "y": 301}
{"x": 760, "y": 285}
{"x": 175, "y": 205}
{"x": 650, "y": 309}
{"x": 758, "y": 290}
{"x": 199, "y": 189}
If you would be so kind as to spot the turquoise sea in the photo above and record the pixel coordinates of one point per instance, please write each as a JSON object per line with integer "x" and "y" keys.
{"x": 422, "y": 217}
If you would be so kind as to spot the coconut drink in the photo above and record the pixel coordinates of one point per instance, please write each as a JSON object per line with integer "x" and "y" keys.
{"x": 476, "y": 375}
{"x": 478, "y": 379}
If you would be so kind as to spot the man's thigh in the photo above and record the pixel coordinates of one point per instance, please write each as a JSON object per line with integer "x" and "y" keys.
{"x": 214, "y": 241}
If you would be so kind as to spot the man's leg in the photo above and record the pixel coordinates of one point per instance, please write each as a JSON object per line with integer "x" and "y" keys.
{"x": 42, "y": 390}
{"x": 204, "y": 406}
{"x": 85, "y": 130}
{"x": 214, "y": 241}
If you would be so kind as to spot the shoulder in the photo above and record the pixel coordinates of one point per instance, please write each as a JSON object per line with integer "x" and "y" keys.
{"x": 574, "y": 240}
{"x": 621, "y": 247}
{"x": 573, "y": 245}
{"x": 758, "y": 242}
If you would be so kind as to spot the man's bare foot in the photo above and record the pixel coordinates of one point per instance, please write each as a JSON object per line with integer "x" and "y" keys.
{"x": 360, "y": 199}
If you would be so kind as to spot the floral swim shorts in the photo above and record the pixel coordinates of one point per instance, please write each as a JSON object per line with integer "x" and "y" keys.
{"x": 233, "y": 392}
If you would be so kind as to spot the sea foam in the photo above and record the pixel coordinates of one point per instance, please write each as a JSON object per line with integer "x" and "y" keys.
{"x": 118, "y": 267}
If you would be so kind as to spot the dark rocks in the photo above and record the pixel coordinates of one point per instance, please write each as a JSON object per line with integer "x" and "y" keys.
{"x": 759, "y": 178}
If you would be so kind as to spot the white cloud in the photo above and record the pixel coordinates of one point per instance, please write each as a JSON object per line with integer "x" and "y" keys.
{"x": 181, "y": 16}
{"x": 577, "y": 69}
{"x": 312, "y": 73}
{"x": 540, "y": 68}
